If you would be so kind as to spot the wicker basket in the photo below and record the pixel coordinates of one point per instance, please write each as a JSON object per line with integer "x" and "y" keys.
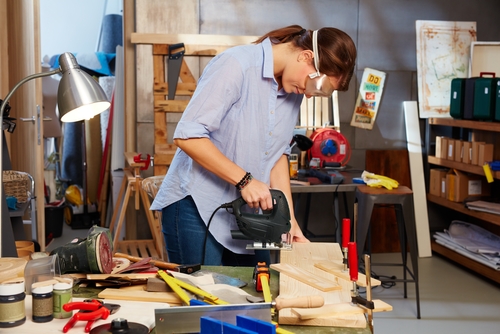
{"x": 17, "y": 184}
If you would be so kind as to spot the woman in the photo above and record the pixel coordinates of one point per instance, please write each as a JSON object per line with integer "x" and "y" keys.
{"x": 234, "y": 136}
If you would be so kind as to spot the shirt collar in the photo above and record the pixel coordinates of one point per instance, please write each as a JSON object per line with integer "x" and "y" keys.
{"x": 268, "y": 70}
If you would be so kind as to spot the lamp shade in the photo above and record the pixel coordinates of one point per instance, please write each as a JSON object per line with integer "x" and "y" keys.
{"x": 79, "y": 96}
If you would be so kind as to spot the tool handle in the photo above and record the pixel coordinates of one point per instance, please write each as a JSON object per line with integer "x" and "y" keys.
{"x": 346, "y": 231}
{"x": 157, "y": 263}
{"x": 353, "y": 261}
{"x": 300, "y": 302}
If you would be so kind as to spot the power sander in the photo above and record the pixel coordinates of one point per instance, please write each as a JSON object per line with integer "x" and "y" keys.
{"x": 93, "y": 254}
{"x": 269, "y": 230}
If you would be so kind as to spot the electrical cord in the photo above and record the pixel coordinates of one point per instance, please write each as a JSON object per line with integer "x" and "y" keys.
{"x": 223, "y": 206}
{"x": 385, "y": 284}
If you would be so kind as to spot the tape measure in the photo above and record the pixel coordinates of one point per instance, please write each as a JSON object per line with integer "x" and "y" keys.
{"x": 329, "y": 146}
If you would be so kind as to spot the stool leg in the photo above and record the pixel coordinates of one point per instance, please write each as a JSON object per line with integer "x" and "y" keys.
{"x": 411, "y": 235}
{"x": 365, "y": 209}
{"x": 402, "y": 244}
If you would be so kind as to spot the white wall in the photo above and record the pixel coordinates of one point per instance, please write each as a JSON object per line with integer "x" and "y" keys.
{"x": 72, "y": 25}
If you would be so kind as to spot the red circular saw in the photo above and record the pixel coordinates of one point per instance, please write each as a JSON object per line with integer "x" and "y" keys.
{"x": 330, "y": 147}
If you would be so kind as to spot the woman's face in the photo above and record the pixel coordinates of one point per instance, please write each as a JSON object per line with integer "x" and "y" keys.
{"x": 296, "y": 76}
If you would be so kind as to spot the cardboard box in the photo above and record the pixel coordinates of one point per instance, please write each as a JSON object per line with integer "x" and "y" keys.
{"x": 450, "y": 152}
{"x": 437, "y": 182}
{"x": 467, "y": 152}
{"x": 460, "y": 186}
{"x": 485, "y": 154}
{"x": 475, "y": 152}
{"x": 441, "y": 147}
{"x": 459, "y": 146}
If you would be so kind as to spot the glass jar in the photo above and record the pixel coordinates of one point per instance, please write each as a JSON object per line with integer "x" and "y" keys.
{"x": 63, "y": 293}
{"x": 12, "y": 308}
{"x": 43, "y": 303}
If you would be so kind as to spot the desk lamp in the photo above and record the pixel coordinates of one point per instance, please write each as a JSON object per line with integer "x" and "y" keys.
{"x": 79, "y": 97}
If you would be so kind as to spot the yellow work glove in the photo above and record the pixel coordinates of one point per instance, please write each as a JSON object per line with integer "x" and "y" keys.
{"x": 379, "y": 181}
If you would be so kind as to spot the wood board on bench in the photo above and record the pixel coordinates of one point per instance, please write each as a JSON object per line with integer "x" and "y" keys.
{"x": 305, "y": 256}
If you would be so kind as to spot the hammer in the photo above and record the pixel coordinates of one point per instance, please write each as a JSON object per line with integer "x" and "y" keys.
{"x": 182, "y": 268}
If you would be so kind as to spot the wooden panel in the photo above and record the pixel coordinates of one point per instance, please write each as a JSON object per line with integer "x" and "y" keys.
{"x": 303, "y": 256}
{"x": 393, "y": 164}
{"x": 23, "y": 32}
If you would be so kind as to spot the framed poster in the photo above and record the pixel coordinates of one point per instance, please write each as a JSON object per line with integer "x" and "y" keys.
{"x": 443, "y": 50}
{"x": 367, "y": 103}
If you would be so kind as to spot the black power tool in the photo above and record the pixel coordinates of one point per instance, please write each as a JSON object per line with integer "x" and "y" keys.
{"x": 266, "y": 228}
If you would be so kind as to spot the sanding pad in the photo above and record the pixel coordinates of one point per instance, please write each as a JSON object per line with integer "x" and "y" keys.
{"x": 120, "y": 326}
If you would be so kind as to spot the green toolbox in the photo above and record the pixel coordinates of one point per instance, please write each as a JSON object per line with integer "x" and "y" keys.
{"x": 497, "y": 101}
{"x": 484, "y": 97}
{"x": 457, "y": 98}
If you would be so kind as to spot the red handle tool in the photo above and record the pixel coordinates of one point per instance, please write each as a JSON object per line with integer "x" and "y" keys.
{"x": 346, "y": 231}
{"x": 353, "y": 261}
{"x": 90, "y": 311}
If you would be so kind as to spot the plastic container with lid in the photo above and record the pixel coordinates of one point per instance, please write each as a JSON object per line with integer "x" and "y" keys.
{"x": 43, "y": 303}
{"x": 12, "y": 307}
{"x": 63, "y": 293}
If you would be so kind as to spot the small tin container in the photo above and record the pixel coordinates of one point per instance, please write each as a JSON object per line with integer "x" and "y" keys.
{"x": 43, "y": 303}
{"x": 63, "y": 293}
{"x": 12, "y": 307}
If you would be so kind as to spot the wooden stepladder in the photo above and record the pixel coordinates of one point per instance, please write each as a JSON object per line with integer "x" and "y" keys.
{"x": 131, "y": 187}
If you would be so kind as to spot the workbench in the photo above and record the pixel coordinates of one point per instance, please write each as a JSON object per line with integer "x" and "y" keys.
{"x": 344, "y": 187}
{"x": 246, "y": 274}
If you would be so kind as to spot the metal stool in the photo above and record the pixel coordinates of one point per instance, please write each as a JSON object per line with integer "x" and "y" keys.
{"x": 402, "y": 199}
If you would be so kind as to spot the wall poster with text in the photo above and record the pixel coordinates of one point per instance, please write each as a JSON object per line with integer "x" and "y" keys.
{"x": 370, "y": 94}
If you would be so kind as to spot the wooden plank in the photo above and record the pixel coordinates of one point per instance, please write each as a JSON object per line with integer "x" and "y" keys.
{"x": 170, "y": 105}
{"x": 306, "y": 277}
{"x": 338, "y": 309}
{"x": 417, "y": 179}
{"x": 337, "y": 268}
{"x": 145, "y": 296}
{"x": 183, "y": 89}
{"x": 208, "y": 41}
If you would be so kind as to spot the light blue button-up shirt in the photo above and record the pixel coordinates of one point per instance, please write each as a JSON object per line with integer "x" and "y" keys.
{"x": 238, "y": 106}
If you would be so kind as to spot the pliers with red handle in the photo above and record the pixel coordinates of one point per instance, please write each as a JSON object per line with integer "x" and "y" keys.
{"x": 90, "y": 311}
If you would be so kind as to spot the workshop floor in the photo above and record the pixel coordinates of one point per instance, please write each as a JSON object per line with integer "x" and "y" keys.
{"x": 452, "y": 299}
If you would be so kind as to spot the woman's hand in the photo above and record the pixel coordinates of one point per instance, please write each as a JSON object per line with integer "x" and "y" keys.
{"x": 257, "y": 194}
{"x": 296, "y": 233}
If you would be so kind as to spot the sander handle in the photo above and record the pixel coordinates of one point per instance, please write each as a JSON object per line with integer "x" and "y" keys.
{"x": 300, "y": 302}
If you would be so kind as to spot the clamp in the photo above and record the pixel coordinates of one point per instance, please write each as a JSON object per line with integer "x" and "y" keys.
{"x": 143, "y": 158}
{"x": 90, "y": 311}
{"x": 261, "y": 270}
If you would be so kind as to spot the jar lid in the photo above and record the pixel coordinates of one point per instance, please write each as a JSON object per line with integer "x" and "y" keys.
{"x": 63, "y": 286}
{"x": 42, "y": 289}
{"x": 13, "y": 288}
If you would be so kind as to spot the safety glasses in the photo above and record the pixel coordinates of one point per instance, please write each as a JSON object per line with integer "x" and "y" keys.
{"x": 318, "y": 84}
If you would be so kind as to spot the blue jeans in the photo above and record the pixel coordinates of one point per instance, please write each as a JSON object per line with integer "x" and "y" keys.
{"x": 184, "y": 232}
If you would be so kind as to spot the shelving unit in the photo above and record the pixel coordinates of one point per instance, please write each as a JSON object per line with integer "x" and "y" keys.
{"x": 459, "y": 207}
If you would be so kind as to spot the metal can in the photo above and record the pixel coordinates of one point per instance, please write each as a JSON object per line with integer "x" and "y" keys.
{"x": 294, "y": 165}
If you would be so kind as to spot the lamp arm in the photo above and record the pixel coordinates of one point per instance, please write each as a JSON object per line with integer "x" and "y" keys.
{"x": 20, "y": 83}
